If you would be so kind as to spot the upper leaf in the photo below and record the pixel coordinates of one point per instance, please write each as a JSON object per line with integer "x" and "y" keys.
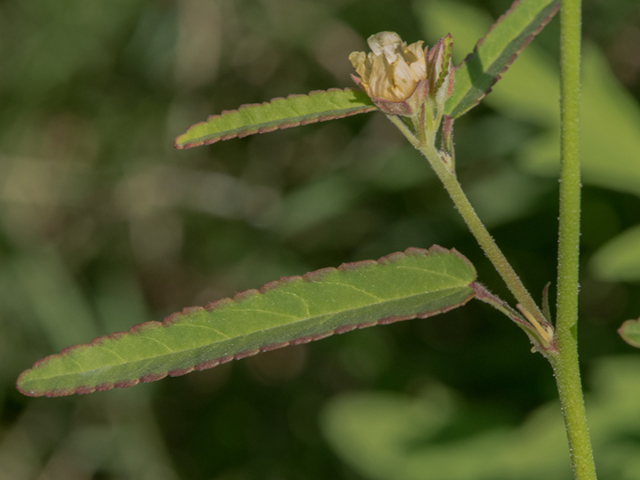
{"x": 496, "y": 51}
{"x": 293, "y": 310}
{"x": 279, "y": 113}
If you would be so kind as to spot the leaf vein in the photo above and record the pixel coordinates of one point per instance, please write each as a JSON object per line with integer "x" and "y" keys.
{"x": 227, "y": 337}
{"x": 302, "y": 299}
{"x": 380, "y": 299}
{"x": 114, "y": 353}
{"x": 161, "y": 343}
{"x": 443, "y": 274}
{"x": 271, "y": 312}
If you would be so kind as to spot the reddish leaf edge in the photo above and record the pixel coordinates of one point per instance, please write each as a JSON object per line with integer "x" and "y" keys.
{"x": 621, "y": 332}
{"x": 526, "y": 42}
{"x": 245, "y": 133}
{"x": 238, "y": 297}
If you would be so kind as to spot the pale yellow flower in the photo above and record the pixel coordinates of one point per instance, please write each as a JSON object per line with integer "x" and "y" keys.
{"x": 392, "y": 70}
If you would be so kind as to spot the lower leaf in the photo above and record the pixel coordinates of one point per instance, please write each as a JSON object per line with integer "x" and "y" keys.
{"x": 293, "y": 310}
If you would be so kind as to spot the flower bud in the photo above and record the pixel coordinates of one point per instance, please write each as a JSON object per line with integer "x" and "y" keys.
{"x": 391, "y": 73}
{"x": 406, "y": 80}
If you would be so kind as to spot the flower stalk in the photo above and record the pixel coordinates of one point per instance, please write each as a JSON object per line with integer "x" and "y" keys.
{"x": 412, "y": 91}
{"x": 541, "y": 330}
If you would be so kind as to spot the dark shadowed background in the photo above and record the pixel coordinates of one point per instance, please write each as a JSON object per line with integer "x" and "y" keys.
{"x": 104, "y": 225}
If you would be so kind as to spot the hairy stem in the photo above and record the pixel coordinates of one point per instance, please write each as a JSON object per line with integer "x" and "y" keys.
{"x": 446, "y": 174}
{"x": 481, "y": 233}
{"x": 565, "y": 364}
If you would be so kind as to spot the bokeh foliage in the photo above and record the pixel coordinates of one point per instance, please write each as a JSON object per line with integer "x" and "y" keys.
{"x": 103, "y": 224}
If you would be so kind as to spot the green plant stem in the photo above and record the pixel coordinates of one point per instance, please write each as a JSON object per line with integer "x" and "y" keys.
{"x": 565, "y": 363}
{"x": 480, "y": 232}
{"x": 535, "y": 324}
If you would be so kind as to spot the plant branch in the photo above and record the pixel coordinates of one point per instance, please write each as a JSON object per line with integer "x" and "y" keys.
{"x": 446, "y": 173}
{"x": 565, "y": 364}
{"x": 482, "y": 235}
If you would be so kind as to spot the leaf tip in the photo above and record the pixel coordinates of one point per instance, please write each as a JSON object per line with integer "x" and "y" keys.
{"x": 20, "y": 385}
{"x": 623, "y": 331}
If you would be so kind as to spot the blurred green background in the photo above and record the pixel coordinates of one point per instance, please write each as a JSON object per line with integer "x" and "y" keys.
{"x": 104, "y": 225}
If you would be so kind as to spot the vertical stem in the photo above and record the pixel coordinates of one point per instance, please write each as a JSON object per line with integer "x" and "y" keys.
{"x": 565, "y": 364}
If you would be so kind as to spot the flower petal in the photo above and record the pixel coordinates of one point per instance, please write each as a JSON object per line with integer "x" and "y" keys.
{"x": 392, "y": 69}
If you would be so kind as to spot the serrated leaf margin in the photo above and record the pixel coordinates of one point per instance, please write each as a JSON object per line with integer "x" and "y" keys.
{"x": 454, "y": 111}
{"x": 253, "y": 129}
{"x": 238, "y": 297}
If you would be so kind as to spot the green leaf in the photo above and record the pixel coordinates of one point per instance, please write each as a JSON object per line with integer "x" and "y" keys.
{"x": 277, "y": 114}
{"x": 524, "y": 90}
{"x": 630, "y": 332}
{"x": 294, "y": 310}
{"x": 609, "y": 141}
{"x": 496, "y": 51}
{"x": 619, "y": 259}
